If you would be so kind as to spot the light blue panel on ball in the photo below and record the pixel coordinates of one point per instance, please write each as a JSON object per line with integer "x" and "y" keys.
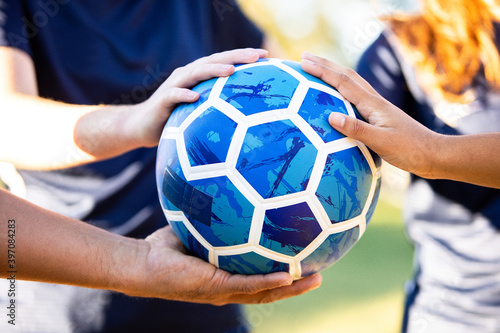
{"x": 276, "y": 159}
{"x": 297, "y": 67}
{"x": 189, "y": 241}
{"x": 229, "y": 212}
{"x": 316, "y": 108}
{"x": 288, "y": 230}
{"x": 331, "y": 250}
{"x": 208, "y": 137}
{"x": 260, "y": 88}
{"x": 251, "y": 263}
{"x": 167, "y": 158}
{"x": 183, "y": 110}
{"x": 345, "y": 184}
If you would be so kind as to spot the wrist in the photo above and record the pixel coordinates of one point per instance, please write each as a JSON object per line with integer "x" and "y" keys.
{"x": 130, "y": 277}
{"x": 434, "y": 156}
{"x": 107, "y": 131}
{"x": 131, "y": 125}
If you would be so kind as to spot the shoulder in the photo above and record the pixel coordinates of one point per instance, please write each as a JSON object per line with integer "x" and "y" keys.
{"x": 379, "y": 53}
{"x": 14, "y": 29}
{"x": 381, "y": 65}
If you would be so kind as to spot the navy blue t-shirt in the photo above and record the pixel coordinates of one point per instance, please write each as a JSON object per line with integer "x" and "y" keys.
{"x": 119, "y": 52}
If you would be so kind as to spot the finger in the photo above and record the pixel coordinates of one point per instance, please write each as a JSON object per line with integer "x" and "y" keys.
{"x": 253, "y": 284}
{"x": 298, "y": 287}
{"x": 174, "y": 96}
{"x": 347, "y": 87}
{"x": 340, "y": 69}
{"x": 187, "y": 77}
{"x": 216, "y": 65}
{"x": 358, "y": 130}
{"x": 344, "y": 83}
{"x": 238, "y": 56}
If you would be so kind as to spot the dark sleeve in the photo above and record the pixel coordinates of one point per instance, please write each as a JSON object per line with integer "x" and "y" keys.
{"x": 232, "y": 28}
{"x": 379, "y": 66}
{"x": 15, "y": 27}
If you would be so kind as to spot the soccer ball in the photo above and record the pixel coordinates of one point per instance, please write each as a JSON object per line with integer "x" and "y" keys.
{"x": 253, "y": 179}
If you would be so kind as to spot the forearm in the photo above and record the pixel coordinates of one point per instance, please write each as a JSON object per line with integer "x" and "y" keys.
{"x": 469, "y": 158}
{"x": 51, "y": 248}
{"x": 45, "y": 134}
{"x": 52, "y": 135}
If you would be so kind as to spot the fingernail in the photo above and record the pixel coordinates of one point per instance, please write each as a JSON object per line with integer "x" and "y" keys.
{"x": 251, "y": 53}
{"x": 316, "y": 287}
{"x": 307, "y": 54}
{"x": 227, "y": 67}
{"x": 191, "y": 94}
{"x": 336, "y": 119}
{"x": 286, "y": 283}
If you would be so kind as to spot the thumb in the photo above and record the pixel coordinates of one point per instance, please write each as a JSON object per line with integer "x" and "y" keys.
{"x": 352, "y": 127}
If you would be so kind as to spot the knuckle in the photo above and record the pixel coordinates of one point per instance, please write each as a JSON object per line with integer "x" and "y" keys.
{"x": 178, "y": 70}
{"x": 247, "y": 289}
{"x": 170, "y": 95}
{"x": 349, "y": 72}
{"x": 208, "y": 59}
{"x": 357, "y": 128}
{"x": 343, "y": 79}
{"x": 269, "y": 298}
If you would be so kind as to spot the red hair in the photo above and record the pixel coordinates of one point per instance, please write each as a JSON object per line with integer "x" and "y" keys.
{"x": 449, "y": 43}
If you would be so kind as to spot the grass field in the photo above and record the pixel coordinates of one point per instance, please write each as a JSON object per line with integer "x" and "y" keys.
{"x": 363, "y": 292}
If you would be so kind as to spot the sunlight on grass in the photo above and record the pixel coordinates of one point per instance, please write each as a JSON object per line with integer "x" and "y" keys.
{"x": 381, "y": 315}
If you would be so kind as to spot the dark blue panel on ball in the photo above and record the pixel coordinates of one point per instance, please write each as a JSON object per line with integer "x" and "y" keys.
{"x": 167, "y": 156}
{"x": 195, "y": 204}
{"x": 345, "y": 184}
{"x": 376, "y": 159}
{"x": 208, "y": 137}
{"x": 316, "y": 108}
{"x": 185, "y": 109}
{"x": 251, "y": 263}
{"x": 230, "y": 213}
{"x": 373, "y": 204}
{"x": 261, "y": 88}
{"x": 189, "y": 241}
{"x": 288, "y": 230}
{"x": 330, "y": 251}
{"x": 276, "y": 159}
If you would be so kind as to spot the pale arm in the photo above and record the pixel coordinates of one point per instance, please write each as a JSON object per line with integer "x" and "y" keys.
{"x": 402, "y": 141}
{"x": 57, "y": 249}
{"x": 46, "y": 134}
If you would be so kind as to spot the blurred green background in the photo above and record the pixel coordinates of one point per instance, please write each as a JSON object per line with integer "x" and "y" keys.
{"x": 363, "y": 292}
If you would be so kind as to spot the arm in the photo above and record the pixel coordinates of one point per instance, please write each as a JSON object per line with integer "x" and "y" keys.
{"x": 402, "y": 141}
{"x": 46, "y": 134}
{"x": 57, "y": 249}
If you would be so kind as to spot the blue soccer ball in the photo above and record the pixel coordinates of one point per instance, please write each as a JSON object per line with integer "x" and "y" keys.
{"x": 253, "y": 179}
